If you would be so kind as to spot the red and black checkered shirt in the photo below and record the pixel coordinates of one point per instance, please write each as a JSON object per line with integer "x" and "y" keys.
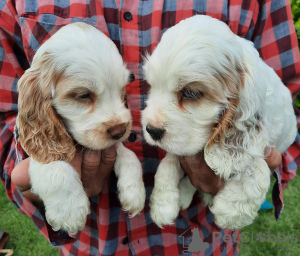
{"x": 136, "y": 28}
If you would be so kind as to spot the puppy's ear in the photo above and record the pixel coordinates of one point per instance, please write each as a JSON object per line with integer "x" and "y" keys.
{"x": 240, "y": 135}
{"x": 42, "y": 133}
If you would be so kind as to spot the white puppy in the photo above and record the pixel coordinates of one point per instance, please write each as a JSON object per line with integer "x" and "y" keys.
{"x": 75, "y": 89}
{"x": 211, "y": 92}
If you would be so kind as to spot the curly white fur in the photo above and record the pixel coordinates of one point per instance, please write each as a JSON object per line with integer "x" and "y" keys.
{"x": 75, "y": 90}
{"x": 243, "y": 108}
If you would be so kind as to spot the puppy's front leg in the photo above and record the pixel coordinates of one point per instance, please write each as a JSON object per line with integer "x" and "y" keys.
{"x": 187, "y": 191}
{"x": 60, "y": 188}
{"x": 131, "y": 187}
{"x": 165, "y": 197}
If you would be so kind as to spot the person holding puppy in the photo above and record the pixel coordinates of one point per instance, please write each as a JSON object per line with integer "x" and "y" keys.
{"x": 136, "y": 28}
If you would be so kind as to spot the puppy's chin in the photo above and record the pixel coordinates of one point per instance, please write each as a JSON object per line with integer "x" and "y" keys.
{"x": 180, "y": 147}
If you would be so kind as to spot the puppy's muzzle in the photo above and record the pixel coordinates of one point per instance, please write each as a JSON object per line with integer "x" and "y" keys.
{"x": 155, "y": 133}
{"x": 116, "y": 132}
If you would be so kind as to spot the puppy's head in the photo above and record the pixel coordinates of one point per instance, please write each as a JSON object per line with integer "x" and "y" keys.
{"x": 75, "y": 89}
{"x": 196, "y": 75}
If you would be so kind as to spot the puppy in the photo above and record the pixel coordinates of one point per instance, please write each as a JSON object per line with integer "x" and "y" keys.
{"x": 74, "y": 91}
{"x": 211, "y": 92}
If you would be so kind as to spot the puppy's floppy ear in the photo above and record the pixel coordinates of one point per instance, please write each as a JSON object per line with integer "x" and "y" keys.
{"x": 42, "y": 134}
{"x": 240, "y": 134}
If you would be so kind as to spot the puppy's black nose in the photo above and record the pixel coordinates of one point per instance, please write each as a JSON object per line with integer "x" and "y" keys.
{"x": 116, "y": 132}
{"x": 155, "y": 133}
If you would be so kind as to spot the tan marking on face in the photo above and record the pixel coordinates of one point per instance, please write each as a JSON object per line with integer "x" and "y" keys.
{"x": 96, "y": 136}
{"x": 211, "y": 92}
{"x": 224, "y": 123}
{"x": 67, "y": 91}
{"x": 158, "y": 119}
{"x": 100, "y": 136}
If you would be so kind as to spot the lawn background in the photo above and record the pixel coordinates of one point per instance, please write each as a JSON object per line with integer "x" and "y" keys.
{"x": 26, "y": 240}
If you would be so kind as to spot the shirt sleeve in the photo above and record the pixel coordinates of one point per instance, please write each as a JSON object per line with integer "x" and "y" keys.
{"x": 276, "y": 40}
{"x": 13, "y": 62}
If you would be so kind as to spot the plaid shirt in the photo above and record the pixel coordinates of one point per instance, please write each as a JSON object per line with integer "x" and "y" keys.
{"x": 136, "y": 27}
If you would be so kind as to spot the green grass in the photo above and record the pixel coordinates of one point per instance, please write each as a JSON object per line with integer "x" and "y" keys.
{"x": 289, "y": 222}
{"x": 25, "y": 239}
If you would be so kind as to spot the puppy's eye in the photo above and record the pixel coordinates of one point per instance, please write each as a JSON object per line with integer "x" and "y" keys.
{"x": 190, "y": 95}
{"x": 84, "y": 96}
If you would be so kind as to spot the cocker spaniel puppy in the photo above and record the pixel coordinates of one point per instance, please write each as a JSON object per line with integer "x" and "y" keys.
{"x": 74, "y": 93}
{"x": 211, "y": 92}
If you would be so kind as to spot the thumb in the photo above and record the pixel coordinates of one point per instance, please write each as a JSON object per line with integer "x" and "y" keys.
{"x": 20, "y": 177}
{"x": 20, "y": 174}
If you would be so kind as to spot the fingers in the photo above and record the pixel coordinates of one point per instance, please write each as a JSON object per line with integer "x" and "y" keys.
{"x": 96, "y": 167}
{"x": 108, "y": 159}
{"x": 273, "y": 158}
{"x": 76, "y": 162}
{"x": 92, "y": 166}
{"x": 89, "y": 168}
{"x": 200, "y": 174}
{"x": 20, "y": 177}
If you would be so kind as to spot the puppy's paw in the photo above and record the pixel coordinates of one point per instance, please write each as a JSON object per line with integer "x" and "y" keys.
{"x": 207, "y": 199}
{"x": 67, "y": 210}
{"x": 164, "y": 205}
{"x": 185, "y": 200}
{"x": 187, "y": 191}
{"x": 233, "y": 219}
{"x": 132, "y": 196}
{"x": 233, "y": 211}
{"x": 237, "y": 204}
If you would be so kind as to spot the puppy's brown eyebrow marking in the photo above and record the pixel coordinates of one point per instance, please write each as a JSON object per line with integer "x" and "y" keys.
{"x": 181, "y": 101}
{"x": 224, "y": 123}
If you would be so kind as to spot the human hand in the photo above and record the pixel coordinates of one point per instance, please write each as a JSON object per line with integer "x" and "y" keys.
{"x": 273, "y": 158}
{"x": 201, "y": 175}
{"x": 204, "y": 178}
{"x": 93, "y": 167}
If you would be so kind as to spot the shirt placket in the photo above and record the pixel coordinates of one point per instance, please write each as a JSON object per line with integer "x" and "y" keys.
{"x": 130, "y": 50}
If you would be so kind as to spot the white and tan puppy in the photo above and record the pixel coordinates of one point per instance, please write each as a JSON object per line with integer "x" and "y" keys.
{"x": 211, "y": 92}
{"x": 74, "y": 91}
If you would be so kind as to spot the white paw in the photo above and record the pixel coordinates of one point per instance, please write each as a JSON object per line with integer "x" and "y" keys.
{"x": 236, "y": 218}
{"x": 185, "y": 200}
{"x": 237, "y": 204}
{"x": 128, "y": 169}
{"x": 207, "y": 199}
{"x": 187, "y": 191}
{"x": 233, "y": 210}
{"x": 67, "y": 210}
{"x": 132, "y": 195}
{"x": 164, "y": 205}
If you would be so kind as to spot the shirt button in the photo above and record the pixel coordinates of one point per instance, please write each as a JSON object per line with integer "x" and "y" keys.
{"x": 125, "y": 240}
{"x": 131, "y": 78}
{"x": 127, "y": 16}
{"x": 132, "y": 137}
